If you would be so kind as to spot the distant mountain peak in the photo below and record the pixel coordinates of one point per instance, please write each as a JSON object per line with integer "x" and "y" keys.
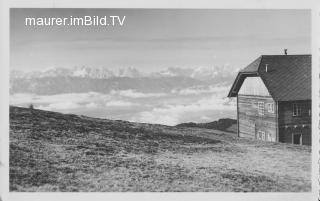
{"x": 199, "y": 73}
{"x": 129, "y": 72}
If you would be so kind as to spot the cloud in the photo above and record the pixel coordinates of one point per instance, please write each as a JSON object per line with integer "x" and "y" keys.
{"x": 22, "y": 98}
{"x": 157, "y": 116}
{"x": 60, "y": 106}
{"x": 200, "y": 90}
{"x": 91, "y": 105}
{"x": 119, "y": 103}
{"x": 70, "y": 102}
{"x": 135, "y": 94}
{"x": 205, "y": 118}
{"x": 174, "y": 114}
{"x": 61, "y": 102}
{"x": 197, "y": 104}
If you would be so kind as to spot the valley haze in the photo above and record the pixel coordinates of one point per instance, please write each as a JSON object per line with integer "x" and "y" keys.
{"x": 162, "y": 97}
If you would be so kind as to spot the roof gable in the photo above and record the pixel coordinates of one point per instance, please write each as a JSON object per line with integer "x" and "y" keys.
{"x": 254, "y": 86}
{"x": 288, "y": 77}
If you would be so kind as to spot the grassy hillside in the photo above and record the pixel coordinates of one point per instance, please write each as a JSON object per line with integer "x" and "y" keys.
{"x": 58, "y": 152}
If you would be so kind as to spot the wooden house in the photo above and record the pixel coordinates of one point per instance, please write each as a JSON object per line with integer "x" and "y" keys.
{"x": 274, "y": 99}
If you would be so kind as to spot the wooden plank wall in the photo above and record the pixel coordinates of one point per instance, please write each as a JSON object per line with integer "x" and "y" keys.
{"x": 250, "y": 122}
{"x": 286, "y": 135}
{"x": 286, "y": 113}
{"x": 286, "y": 118}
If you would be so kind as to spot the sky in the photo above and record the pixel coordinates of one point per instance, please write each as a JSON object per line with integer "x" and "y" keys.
{"x": 152, "y": 39}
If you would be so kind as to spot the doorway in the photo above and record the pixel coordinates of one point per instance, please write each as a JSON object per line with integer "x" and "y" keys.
{"x": 297, "y": 138}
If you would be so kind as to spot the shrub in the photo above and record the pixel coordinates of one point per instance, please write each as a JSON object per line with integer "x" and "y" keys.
{"x": 31, "y": 107}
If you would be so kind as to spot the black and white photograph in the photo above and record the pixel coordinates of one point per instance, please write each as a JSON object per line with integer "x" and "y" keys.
{"x": 160, "y": 100}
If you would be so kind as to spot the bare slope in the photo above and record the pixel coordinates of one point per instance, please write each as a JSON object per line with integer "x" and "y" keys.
{"x": 58, "y": 152}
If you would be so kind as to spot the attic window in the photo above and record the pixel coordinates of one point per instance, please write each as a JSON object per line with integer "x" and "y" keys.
{"x": 270, "y": 107}
{"x": 296, "y": 109}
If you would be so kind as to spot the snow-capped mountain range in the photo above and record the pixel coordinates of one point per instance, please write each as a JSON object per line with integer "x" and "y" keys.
{"x": 199, "y": 73}
{"x": 103, "y": 80}
{"x": 83, "y": 72}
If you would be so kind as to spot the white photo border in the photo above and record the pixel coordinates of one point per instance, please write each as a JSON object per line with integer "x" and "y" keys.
{"x": 5, "y": 5}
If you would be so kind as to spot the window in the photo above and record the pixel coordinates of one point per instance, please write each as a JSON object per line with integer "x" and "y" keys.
{"x": 270, "y": 138}
{"x": 261, "y": 108}
{"x": 270, "y": 107}
{"x": 261, "y": 135}
{"x": 296, "y": 109}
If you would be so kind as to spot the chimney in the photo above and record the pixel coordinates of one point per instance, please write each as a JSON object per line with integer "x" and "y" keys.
{"x": 266, "y": 68}
{"x": 285, "y": 51}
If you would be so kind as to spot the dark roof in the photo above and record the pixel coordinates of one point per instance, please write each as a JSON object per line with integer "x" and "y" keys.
{"x": 288, "y": 77}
